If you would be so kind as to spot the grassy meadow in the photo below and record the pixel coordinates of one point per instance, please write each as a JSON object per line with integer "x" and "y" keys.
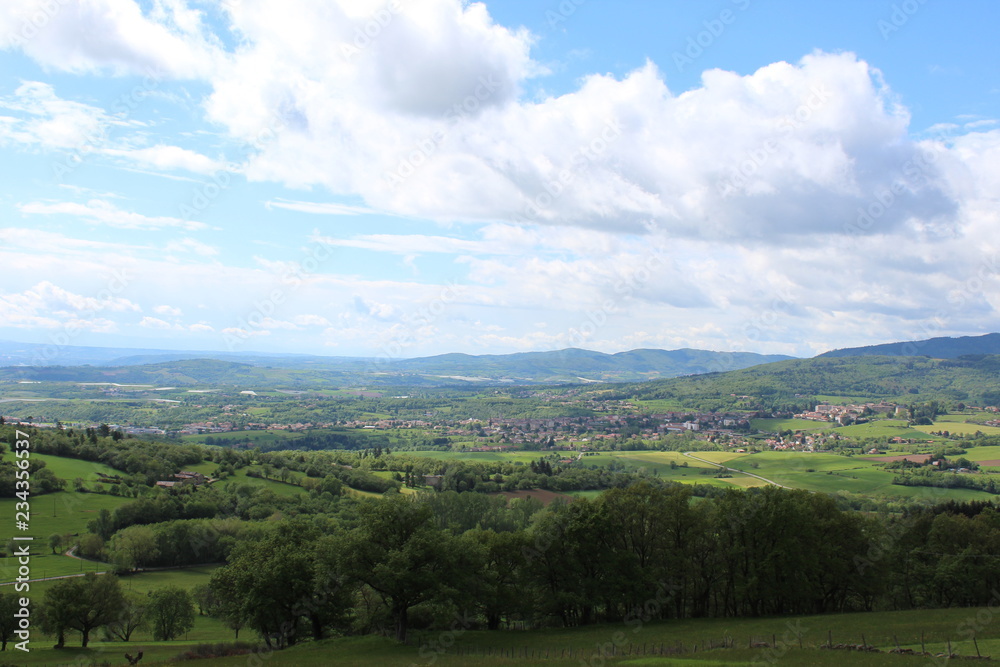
{"x": 593, "y": 645}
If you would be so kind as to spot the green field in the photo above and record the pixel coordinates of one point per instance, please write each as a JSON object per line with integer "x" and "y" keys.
{"x": 983, "y": 453}
{"x": 778, "y": 425}
{"x": 829, "y": 473}
{"x": 885, "y": 429}
{"x": 70, "y": 469}
{"x": 959, "y": 428}
{"x": 63, "y": 512}
{"x": 592, "y": 645}
{"x": 523, "y": 457}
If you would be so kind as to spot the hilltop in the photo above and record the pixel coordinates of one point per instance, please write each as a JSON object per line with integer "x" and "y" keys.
{"x": 938, "y": 348}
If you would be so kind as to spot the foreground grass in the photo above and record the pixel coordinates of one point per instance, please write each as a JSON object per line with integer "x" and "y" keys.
{"x": 593, "y": 645}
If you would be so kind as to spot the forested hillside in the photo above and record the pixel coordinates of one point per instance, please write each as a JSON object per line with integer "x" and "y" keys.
{"x": 973, "y": 379}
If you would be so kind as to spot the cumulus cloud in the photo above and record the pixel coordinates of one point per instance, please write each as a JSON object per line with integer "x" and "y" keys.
{"x": 116, "y": 36}
{"x": 47, "y": 306}
{"x": 792, "y": 203}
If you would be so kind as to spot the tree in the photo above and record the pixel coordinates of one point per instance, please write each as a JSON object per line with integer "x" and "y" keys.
{"x": 132, "y": 616}
{"x": 8, "y": 623}
{"x": 103, "y": 525}
{"x": 398, "y": 552}
{"x": 55, "y": 542}
{"x": 91, "y": 546}
{"x": 171, "y": 612}
{"x": 273, "y": 583}
{"x": 133, "y": 547}
{"x": 82, "y": 604}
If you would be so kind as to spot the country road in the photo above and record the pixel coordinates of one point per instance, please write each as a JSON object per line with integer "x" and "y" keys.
{"x": 742, "y": 472}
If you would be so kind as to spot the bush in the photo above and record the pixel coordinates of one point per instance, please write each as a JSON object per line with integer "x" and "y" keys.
{"x": 221, "y": 650}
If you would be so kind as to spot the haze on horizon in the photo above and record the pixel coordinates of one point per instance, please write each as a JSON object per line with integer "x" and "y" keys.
{"x": 416, "y": 177}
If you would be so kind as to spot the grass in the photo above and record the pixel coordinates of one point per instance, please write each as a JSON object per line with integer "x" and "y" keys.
{"x": 70, "y": 469}
{"x": 524, "y": 457}
{"x": 63, "y": 512}
{"x": 885, "y": 428}
{"x": 959, "y": 428}
{"x": 778, "y": 425}
{"x": 466, "y": 647}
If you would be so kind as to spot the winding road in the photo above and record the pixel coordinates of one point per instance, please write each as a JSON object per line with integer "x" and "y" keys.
{"x": 742, "y": 472}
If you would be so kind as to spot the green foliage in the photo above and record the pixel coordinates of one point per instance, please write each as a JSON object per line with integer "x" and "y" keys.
{"x": 782, "y": 385}
{"x": 170, "y": 612}
{"x": 81, "y": 604}
{"x": 9, "y": 605}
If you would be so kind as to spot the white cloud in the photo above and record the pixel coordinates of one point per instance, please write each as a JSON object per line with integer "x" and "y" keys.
{"x": 308, "y": 320}
{"x": 169, "y": 158}
{"x": 49, "y": 122}
{"x": 792, "y": 203}
{"x": 48, "y": 306}
{"x": 105, "y": 212}
{"x": 192, "y": 246}
{"x": 170, "y": 311}
{"x": 155, "y": 323}
{"x": 406, "y": 244}
{"x": 319, "y": 208}
{"x": 111, "y": 35}
{"x": 789, "y": 150}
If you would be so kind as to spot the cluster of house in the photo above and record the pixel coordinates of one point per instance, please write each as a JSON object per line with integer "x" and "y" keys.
{"x": 199, "y": 428}
{"x": 826, "y": 412}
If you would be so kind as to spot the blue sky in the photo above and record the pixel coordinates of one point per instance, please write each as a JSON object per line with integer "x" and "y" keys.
{"x": 404, "y": 178}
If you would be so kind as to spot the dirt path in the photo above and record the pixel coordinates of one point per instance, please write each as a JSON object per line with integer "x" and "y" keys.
{"x": 741, "y": 472}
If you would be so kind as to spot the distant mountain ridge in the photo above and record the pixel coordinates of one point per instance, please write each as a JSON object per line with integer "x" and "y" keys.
{"x": 188, "y": 368}
{"x": 937, "y": 348}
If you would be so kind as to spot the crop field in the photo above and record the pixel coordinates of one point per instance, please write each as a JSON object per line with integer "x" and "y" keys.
{"x": 959, "y": 428}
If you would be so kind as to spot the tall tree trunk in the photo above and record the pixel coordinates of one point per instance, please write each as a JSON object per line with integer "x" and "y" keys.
{"x": 401, "y": 623}
{"x": 317, "y": 626}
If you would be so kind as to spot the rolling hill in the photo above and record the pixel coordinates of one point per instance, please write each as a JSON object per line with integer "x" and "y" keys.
{"x": 570, "y": 365}
{"x": 973, "y": 380}
{"x": 937, "y": 348}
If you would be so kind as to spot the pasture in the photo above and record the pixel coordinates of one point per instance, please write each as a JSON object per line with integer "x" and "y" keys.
{"x": 793, "y": 641}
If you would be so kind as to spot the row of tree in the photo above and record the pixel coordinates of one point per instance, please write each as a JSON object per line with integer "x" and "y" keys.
{"x": 91, "y": 602}
{"x": 641, "y": 552}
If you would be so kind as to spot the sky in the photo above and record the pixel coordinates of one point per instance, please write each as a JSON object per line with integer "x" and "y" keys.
{"x": 402, "y": 178}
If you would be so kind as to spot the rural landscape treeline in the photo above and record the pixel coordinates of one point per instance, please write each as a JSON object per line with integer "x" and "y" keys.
{"x": 803, "y": 487}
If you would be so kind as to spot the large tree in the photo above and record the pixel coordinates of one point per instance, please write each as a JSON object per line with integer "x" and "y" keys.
{"x": 274, "y": 583}
{"x": 82, "y": 604}
{"x": 133, "y": 615}
{"x": 398, "y": 552}
{"x": 171, "y": 612}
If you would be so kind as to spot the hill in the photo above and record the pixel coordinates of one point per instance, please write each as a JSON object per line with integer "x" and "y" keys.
{"x": 938, "y": 348}
{"x": 570, "y": 365}
{"x": 974, "y": 380}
